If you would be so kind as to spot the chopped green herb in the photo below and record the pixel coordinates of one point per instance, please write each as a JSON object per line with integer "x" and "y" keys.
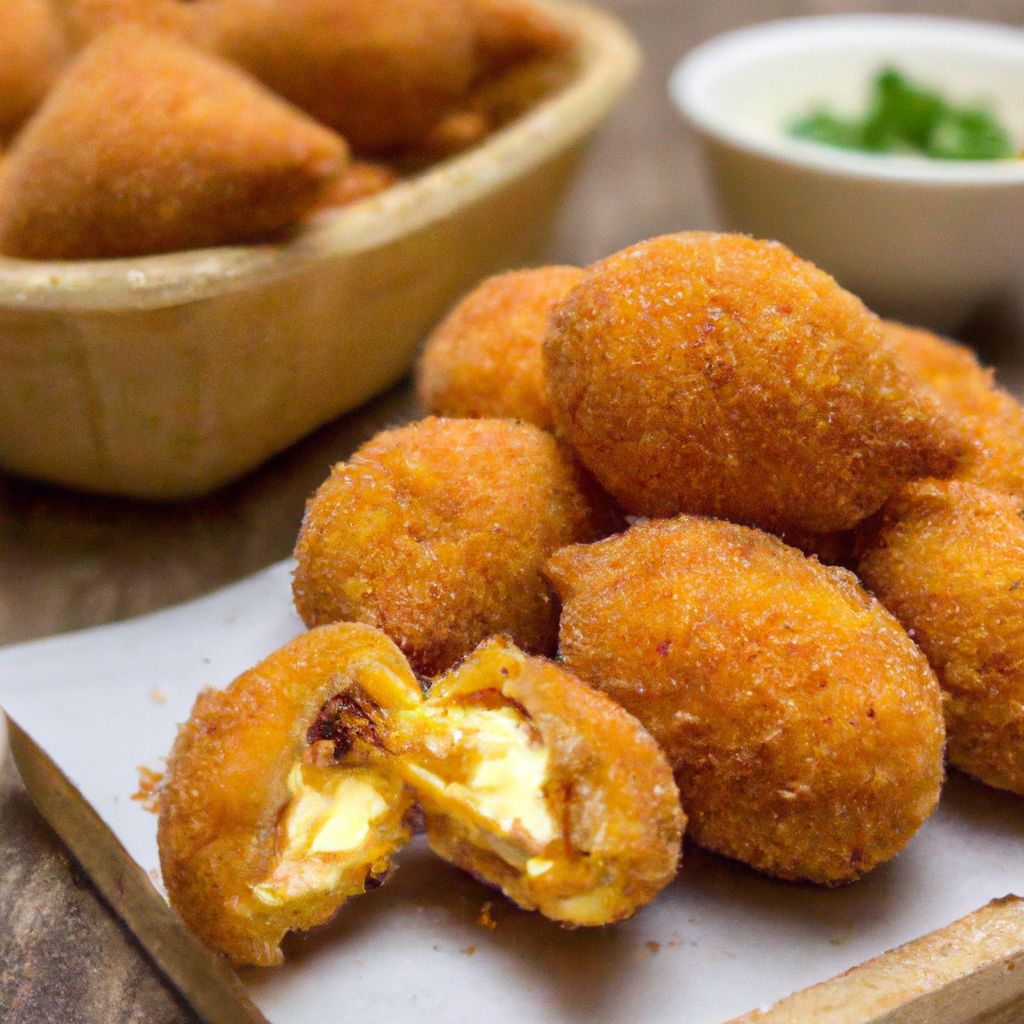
{"x": 905, "y": 118}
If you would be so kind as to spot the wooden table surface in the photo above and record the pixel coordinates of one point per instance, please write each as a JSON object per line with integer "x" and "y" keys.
{"x": 69, "y": 561}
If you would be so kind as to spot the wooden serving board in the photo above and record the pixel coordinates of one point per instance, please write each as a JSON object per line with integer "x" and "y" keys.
{"x": 716, "y": 943}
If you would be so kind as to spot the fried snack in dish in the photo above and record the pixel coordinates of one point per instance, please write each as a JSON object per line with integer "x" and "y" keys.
{"x": 503, "y": 97}
{"x": 947, "y": 559}
{"x": 437, "y": 533}
{"x": 536, "y": 783}
{"x": 380, "y": 72}
{"x": 83, "y": 20}
{"x": 360, "y": 180}
{"x": 720, "y": 375}
{"x": 992, "y": 417}
{"x": 279, "y": 802}
{"x": 32, "y": 52}
{"x": 804, "y": 726}
{"x": 146, "y": 145}
{"x": 485, "y": 358}
{"x": 384, "y": 73}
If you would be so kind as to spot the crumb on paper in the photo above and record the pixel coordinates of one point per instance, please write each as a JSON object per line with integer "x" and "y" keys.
{"x": 654, "y": 947}
{"x": 469, "y": 950}
{"x": 158, "y": 696}
{"x": 149, "y": 788}
{"x": 485, "y": 917}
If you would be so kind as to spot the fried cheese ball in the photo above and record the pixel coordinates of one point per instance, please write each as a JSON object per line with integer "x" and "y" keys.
{"x": 437, "y": 533}
{"x": 32, "y": 53}
{"x": 278, "y": 802}
{"x": 383, "y": 73}
{"x": 538, "y": 784}
{"x": 803, "y": 725}
{"x": 720, "y": 375}
{"x": 485, "y": 358}
{"x": 992, "y": 417}
{"x": 146, "y": 145}
{"x": 948, "y": 561}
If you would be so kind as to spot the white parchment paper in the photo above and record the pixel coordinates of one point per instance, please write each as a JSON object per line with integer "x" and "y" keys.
{"x": 719, "y": 941}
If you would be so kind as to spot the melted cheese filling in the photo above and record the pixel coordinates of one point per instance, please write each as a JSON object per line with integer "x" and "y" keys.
{"x": 505, "y": 774}
{"x": 331, "y": 812}
{"x": 330, "y": 819}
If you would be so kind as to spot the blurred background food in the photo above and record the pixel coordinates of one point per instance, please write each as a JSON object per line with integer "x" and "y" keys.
{"x": 181, "y": 370}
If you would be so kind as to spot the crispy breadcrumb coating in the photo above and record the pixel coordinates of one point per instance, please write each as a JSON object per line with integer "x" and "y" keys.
{"x": 947, "y": 559}
{"x": 992, "y": 417}
{"x": 278, "y": 802}
{"x": 485, "y": 359}
{"x": 542, "y": 786}
{"x": 437, "y": 533}
{"x": 360, "y": 180}
{"x": 33, "y": 51}
{"x": 803, "y": 725}
{"x": 146, "y": 145}
{"x": 389, "y": 75}
{"x": 721, "y": 375}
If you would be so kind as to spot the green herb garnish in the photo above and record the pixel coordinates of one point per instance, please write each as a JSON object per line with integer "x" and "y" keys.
{"x": 905, "y": 118}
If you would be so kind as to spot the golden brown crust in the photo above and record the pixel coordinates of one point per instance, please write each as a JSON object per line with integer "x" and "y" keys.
{"x": 32, "y": 53}
{"x": 360, "y": 180}
{"x": 226, "y": 787}
{"x": 991, "y": 416}
{"x": 779, "y": 689}
{"x": 146, "y": 145}
{"x": 948, "y": 562}
{"x": 437, "y": 533}
{"x": 383, "y": 73}
{"x": 485, "y": 359}
{"x": 608, "y": 786}
{"x": 720, "y": 375}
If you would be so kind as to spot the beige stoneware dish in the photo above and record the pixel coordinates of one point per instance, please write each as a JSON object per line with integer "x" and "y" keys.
{"x": 166, "y": 376}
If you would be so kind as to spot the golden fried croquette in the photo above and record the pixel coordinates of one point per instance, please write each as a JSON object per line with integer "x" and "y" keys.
{"x": 485, "y": 359}
{"x": 948, "y": 561}
{"x": 720, "y": 375}
{"x": 32, "y": 53}
{"x": 279, "y": 802}
{"x": 146, "y": 145}
{"x": 360, "y": 180}
{"x": 803, "y": 725}
{"x": 504, "y": 96}
{"x": 437, "y": 533}
{"x": 383, "y": 73}
{"x": 993, "y": 418}
{"x": 542, "y": 786}
{"x": 83, "y": 20}
{"x": 380, "y": 72}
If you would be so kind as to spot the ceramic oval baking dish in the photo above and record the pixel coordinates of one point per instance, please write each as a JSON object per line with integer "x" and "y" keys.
{"x": 166, "y": 376}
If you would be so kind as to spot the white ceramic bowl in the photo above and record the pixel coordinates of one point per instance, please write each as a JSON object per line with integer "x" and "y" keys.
{"x": 922, "y": 240}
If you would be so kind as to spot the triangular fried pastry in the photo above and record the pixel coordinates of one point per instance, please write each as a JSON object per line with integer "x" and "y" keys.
{"x": 386, "y": 74}
{"x": 147, "y": 145}
{"x": 32, "y": 53}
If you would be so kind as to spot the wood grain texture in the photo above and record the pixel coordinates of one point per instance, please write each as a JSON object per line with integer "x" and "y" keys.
{"x": 64, "y": 957}
{"x": 69, "y": 561}
{"x": 966, "y": 973}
